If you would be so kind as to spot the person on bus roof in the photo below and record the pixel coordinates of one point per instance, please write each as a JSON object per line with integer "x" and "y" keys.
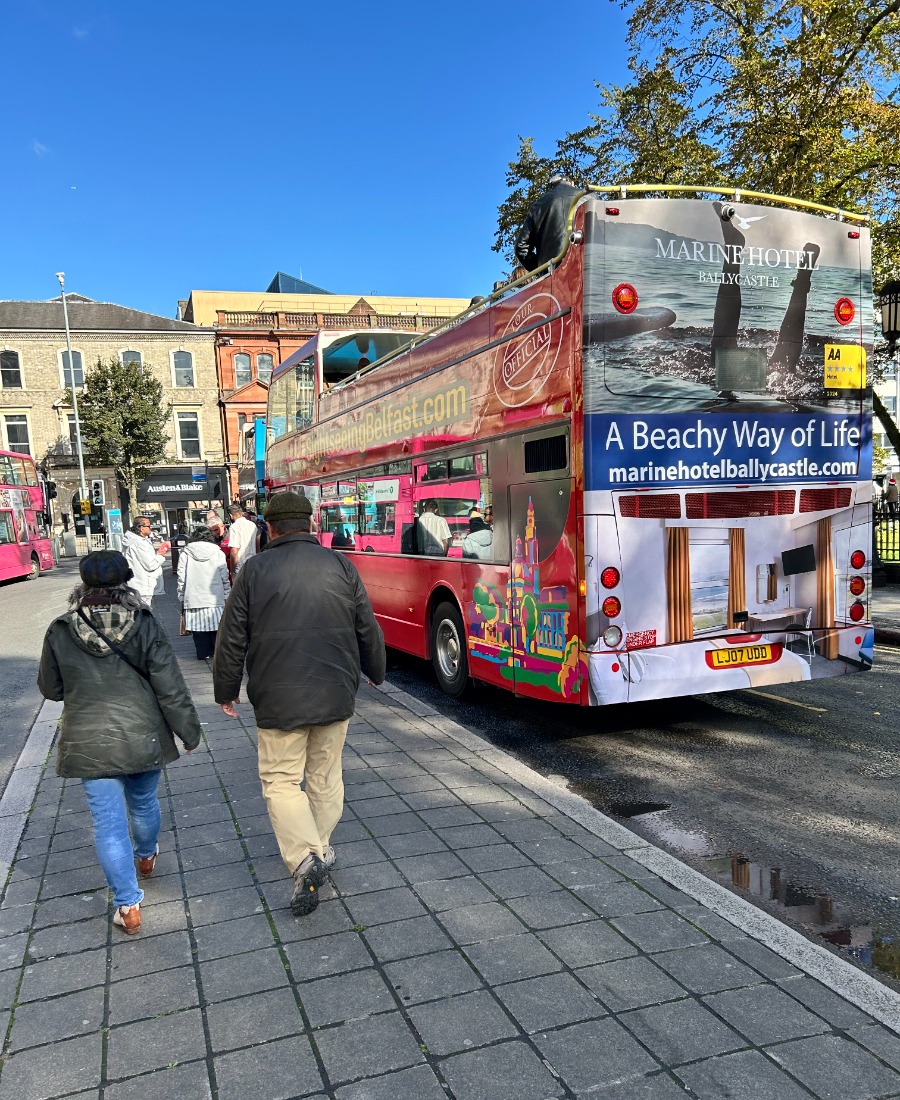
{"x": 434, "y": 531}
{"x": 545, "y": 229}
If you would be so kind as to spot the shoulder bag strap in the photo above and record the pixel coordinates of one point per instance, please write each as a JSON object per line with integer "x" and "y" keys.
{"x": 112, "y": 645}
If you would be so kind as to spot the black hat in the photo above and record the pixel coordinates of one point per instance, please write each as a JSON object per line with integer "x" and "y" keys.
{"x": 104, "y": 569}
{"x": 288, "y": 506}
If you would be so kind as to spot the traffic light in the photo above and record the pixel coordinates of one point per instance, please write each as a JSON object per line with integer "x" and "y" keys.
{"x": 98, "y": 498}
{"x": 51, "y": 490}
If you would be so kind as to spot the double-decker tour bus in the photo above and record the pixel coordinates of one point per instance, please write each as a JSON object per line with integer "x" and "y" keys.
{"x": 662, "y": 440}
{"x": 25, "y": 548}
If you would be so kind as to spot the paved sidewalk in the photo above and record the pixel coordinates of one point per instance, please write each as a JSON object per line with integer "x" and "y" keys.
{"x": 489, "y": 936}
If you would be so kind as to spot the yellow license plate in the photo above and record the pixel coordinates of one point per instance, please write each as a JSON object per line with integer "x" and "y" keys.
{"x": 738, "y": 656}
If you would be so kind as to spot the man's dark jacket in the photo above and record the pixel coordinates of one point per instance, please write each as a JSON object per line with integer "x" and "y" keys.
{"x": 544, "y": 231}
{"x": 300, "y": 617}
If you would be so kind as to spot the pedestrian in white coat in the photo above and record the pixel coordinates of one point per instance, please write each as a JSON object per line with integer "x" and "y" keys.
{"x": 146, "y": 563}
{"x": 203, "y": 587}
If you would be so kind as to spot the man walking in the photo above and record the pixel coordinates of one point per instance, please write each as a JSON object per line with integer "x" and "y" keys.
{"x": 242, "y": 536}
{"x": 146, "y": 563}
{"x": 300, "y": 618}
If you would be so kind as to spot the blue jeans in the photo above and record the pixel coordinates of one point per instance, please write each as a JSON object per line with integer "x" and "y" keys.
{"x": 114, "y": 802}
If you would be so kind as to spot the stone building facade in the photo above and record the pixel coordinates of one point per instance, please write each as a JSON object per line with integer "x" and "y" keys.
{"x": 36, "y": 416}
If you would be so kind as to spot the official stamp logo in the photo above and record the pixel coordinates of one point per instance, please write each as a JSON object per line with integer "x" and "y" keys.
{"x": 525, "y": 360}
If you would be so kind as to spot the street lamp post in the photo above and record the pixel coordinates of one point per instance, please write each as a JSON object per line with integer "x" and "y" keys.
{"x": 61, "y": 275}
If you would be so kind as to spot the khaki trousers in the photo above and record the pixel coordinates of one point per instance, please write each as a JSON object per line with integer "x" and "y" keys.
{"x": 302, "y": 820}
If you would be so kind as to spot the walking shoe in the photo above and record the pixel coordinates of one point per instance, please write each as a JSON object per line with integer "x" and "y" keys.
{"x": 308, "y": 877}
{"x": 128, "y": 918}
{"x": 147, "y": 863}
{"x": 329, "y": 858}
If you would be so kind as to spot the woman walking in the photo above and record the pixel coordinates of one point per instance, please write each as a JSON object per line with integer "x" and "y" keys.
{"x": 202, "y": 589}
{"x": 109, "y": 660}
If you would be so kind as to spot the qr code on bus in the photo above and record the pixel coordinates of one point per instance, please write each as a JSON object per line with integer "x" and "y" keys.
{"x": 638, "y": 639}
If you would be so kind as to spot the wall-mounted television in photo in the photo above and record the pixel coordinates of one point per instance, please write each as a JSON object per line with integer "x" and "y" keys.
{"x": 802, "y": 559}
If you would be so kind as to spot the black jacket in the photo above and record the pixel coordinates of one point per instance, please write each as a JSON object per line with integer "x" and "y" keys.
{"x": 544, "y": 232}
{"x": 113, "y": 721}
{"x": 300, "y": 617}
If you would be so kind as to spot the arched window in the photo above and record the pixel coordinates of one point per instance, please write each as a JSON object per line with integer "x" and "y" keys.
{"x": 10, "y": 370}
{"x": 134, "y": 357}
{"x": 264, "y": 366}
{"x": 242, "y": 372}
{"x": 183, "y": 368}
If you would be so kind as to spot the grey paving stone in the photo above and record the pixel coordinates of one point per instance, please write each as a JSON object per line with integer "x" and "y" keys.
{"x": 453, "y": 893}
{"x": 837, "y": 1011}
{"x": 413, "y": 783}
{"x": 447, "y": 816}
{"x": 137, "y": 956}
{"x": 368, "y": 1047}
{"x": 747, "y": 1074}
{"x": 327, "y": 955}
{"x": 617, "y": 899}
{"x": 759, "y": 956}
{"x": 706, "y": 968}
{"x": 59, "y": 1069}
{"x": 658, "y": 931}
{"x": 433, "y": 797}
{"x": 512, "y": 958}
{"x": 884, "y": 1043}
{"x": 412, "y": 844}
{"x": 437, "y": 866}
{"x": 427, "y": 977}
{"x": 395, "y": 825}
{"x": 75, "y": 880}
{"x": 482, "y": 794}
{"x": 272, "y": 1071}
{"x": 63, "y": 861}
{"x": 238, "y": 975}
{"x": 231, "y": 937}
{"x": 657, "y": 1087}
{"x": 253, "y": 1019}
{"x": 58, "y": 1018}
{"x": 9, "y": 983}
{"x": 587, "y": 943}
{"x": 21, "y": 892}
{"x": 460, "y": 837}
{"x": 681, "y": 1031}
{"x": 494, "y": 857}
{"x": 342, "y": 997}
{"x": 551, "y": 910}
{"x": 459, "y": 1023}
{"x": 55, "y": 976}
{"x": 225, "y": 906}
{"x": 547, "y": 852}
{"x": 72, "y": 908}
{"x": 507, "y": 1071}
{"x": 154, "y": 1044}
{"x": 519, "y": 831}
{"x": 549, "y": 1002}
{"x": 765, "y": 1015}
{"x": 389, "y": 805}
{"x": 184, "y": 1080}
{"x": 65, "y": 842}
{"x": 65, "y": 939}
{"x": 367, "y": 878}
{"x": 481, "y": 922}
{"x": 715, "y": 926}
{"x": 208, "y": 880}
{"x": 834, "y": 1068}
{"x": 357, "y": 853}
{"x": 519, "y": 881}
{"x": 384, "y": 906}
{"x": 330, "y": 917}
{"x": 405, "y": 938}
{"x": 158, "y": 920}
{"x": 418, "y": 1082}
{"x": 630, "y": 983}
{"x": 600, "y": 1052}
{"x": 151, "y": 994}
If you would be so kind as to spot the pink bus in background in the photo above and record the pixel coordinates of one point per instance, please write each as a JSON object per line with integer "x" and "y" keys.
{"x": 25, "y": 548}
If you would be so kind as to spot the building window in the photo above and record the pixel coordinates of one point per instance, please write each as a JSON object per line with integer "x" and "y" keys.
{"x": 188, "y": 425}
{"x": 183, "y": 366}
{"x": 242, "y": 371}
{"x": 264, "y": 367}
{"x": 10, "y": 370}
{"x": 15, "y": 429}
{"x": 132, "y": 357}
{"x": 67, "y": 374}
{"x": 73, "y": 433}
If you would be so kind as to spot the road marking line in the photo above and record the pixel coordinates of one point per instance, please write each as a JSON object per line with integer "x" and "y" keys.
{"x": 781, "y": 699}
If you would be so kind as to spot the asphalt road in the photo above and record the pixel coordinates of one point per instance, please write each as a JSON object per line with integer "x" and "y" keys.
{"x": 788, "y": 795}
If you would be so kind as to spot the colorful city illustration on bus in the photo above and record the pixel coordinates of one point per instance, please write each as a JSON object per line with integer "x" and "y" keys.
{"x": 525, "y": 630}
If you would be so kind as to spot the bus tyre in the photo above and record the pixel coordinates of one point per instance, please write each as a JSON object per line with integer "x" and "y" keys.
{"x": 448, "y": 650}
{"x": 34, "y": 569}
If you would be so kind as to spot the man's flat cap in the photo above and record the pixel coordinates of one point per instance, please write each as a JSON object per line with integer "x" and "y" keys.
{"x": 287, "y": 506}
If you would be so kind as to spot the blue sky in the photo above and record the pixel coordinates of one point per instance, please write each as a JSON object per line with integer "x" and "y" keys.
{"x": 154, "y": 149}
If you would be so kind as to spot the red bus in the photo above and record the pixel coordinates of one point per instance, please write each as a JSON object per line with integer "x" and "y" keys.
{"x": 669, "y": 429}
{"x": 25, "y": 547}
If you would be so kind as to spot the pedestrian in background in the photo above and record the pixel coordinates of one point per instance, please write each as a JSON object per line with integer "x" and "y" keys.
{"x": 300, "y": 618}
{"x": 242, "y": 538}
{"x": 145, "y": 562}
{"x": 203, "y": 587}
{"x": 108, "y": 659}
{"x": 892, "y": 498}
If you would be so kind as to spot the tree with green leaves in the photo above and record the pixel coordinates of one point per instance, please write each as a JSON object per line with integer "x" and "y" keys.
{"x": 769, "y": 95}
{"x": 123, "y": 419}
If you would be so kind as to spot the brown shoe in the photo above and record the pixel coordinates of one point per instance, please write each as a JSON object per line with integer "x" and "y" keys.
{"x": 147, "y": 863}
{"x": 128, "y": 918}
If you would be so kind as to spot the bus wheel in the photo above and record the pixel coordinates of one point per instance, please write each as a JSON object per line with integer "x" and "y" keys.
{"x": 448, "y": 650}
{"x": 34, "y": 569}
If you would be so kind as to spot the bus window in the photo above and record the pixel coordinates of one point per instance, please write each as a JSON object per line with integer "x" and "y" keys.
{"x": 7, "y": 531}
{"x": 461, "y": 488}
{"x": 305, "y": 391}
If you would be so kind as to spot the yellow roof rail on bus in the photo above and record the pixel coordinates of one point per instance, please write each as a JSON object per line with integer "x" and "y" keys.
{"x": 737, "y": 193}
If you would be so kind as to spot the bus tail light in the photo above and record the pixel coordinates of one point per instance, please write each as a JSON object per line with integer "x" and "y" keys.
{"x": 844, "y": 311}
{"x": 610, "y": 577}
{"x": 612, "y": 211}
{"x": 625, "y": 298}
{"x": 612, "y": 636}
{"x": 858, "y": 559}
{"x": 611, "y": 607}
{"x": 857, "y": 612}
{"x": 857, "y": 586}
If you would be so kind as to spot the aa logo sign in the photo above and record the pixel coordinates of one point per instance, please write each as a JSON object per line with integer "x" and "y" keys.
{"x": 845, "y": 367}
